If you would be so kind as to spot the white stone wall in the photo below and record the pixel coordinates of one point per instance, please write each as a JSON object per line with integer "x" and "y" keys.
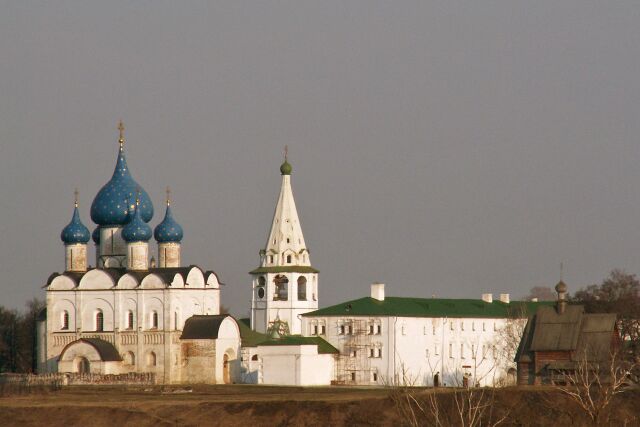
{"x": 265, "y": 309}
{"x": 144, "y": 342}
{"x": 411, "y": 350}
{"x": 299, "y": 365}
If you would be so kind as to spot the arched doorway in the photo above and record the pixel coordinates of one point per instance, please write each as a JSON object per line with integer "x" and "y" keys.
{"x": 226, "y": 375}
{"x": 83, "y": 366}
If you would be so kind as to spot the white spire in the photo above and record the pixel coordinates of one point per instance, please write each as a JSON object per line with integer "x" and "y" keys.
{"x": 286, "y": 245}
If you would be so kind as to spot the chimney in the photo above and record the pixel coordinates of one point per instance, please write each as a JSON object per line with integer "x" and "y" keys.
{"x": 377, "y": 291}
{"x": 487, "y": 297}
{"x": 504, "y": 298}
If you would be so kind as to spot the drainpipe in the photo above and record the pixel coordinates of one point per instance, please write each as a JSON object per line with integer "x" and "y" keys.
{"x": 395, "y": 322}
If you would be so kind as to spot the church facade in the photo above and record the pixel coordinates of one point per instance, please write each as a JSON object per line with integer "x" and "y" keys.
{"x": 128, "y": 314}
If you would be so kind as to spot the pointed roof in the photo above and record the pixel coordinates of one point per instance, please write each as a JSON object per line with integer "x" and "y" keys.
{"x": 168, "y": 230}
{"x": 285, "y": 237}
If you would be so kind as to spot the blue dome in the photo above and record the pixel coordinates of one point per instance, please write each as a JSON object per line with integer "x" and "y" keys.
{"x": 168, "y": 230}
{"x": 75, "y": 231}
{"x": 137, "y": 230}
{"x": 115, "y": 199}
{"x": 96, "y": 236}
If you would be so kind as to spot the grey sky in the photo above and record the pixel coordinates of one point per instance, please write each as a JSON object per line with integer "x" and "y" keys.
{"x": 448, "y": 148}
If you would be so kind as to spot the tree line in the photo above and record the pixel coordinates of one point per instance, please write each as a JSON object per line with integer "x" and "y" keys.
{"x": 18, "y": 337}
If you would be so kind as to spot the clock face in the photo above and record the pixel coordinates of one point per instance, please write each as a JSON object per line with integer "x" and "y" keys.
{"x": 260, "y": 293}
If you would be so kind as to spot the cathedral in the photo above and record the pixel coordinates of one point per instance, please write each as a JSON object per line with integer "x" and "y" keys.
{"x": 131, "y": 313}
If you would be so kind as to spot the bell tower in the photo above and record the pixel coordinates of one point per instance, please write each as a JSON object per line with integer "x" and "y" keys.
{"x": 285, "y": 285}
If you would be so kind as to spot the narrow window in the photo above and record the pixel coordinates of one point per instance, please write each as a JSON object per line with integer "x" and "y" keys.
{"x": 371, "y": 329}
{"x": 302, "y": 288}
{"x": 288, "y": 259}
{"x": 452, "y": 325}
{"x": 375, "y": 377}
{"x": 473, "y": 326}
{"x": 322, "y": 330}
{"x": 484, "y": 328}
{"x": 65, "y": 320}
{"x": 353, "y": 376}
{"x": 473, "y": 351}
{"x": 451, "y": 350}
{"x": 461, "y": 351}
{"x": 151, "y": 359}
{"x": 379, "y": 331}
{"x": 130, "y": 319}
{"x": 287, "y": 240}
{"x": 462, "y": 326}
{"x": 270, "y": 259}
{"x": 433, "y": 332}
{"x": 99, "y": 321}
{"x": 341, "y": 330}
{"x": 372, "y": 352}
{"x": 484, "y": 351}
{"x": 315, "y": 329}
{"x": 154, "y": 320}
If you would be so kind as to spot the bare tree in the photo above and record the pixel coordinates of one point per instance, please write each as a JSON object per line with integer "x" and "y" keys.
{"x": 541, "y": 293}
{"x": 593, "y": 385}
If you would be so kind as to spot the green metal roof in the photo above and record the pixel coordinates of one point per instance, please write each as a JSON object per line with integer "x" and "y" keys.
{"x": 250, "y": 338}
{"x": 430, "y": 307}
{"x": 285, "y": 269}
{"x": 323, "y": 346}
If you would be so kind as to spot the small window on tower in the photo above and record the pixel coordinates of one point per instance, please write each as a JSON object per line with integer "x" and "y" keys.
{"x": 287, "y": 240}
{"x": 288, "y": 259}
{"x": 65, "y": 320}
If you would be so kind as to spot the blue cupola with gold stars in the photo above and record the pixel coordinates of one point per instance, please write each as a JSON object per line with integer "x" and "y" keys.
{"x": 75, "y": 237}
{"x": 168, "y": 230}
{"x": 168, "y": 234}
{"x": 114, "y": 201}
{"x": 136, "y": 230}
{"x": 75, "y": 231}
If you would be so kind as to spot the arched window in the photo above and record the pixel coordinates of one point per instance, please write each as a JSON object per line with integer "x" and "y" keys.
{"x": 288, "y": 259}
{"x": 65, "y": 320}
{"x": 302, "y": 288}
{"x": 129, "y": 319}
{"x": 282, "y": 291}
{"x": 254, "y": 357}
{"x": 99, "y": 321}
{"x": 151, "y": 359}
{"x": 262, "y": 281}
{"x": 129, "y": 358}
{"x": 154, "y": 320}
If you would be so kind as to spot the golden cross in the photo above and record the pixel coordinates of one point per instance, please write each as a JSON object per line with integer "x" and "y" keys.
{"x": 286, "y": 151}
{"x": 121, "y": 129}
{"x": 168, "y": 195}
{"x": 75, "y": 197}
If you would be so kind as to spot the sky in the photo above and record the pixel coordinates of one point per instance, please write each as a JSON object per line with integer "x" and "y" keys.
{"x": 443, "y": 148}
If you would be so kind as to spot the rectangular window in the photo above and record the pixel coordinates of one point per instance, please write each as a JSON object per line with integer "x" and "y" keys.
{"x": 349, "y": 330}
{"x": 315, "y": 329}
{"x": 451, "y": 350}
{"x": 461, "y": 351}
{"x": 462, "y": 326}
{"x": 341, "y": 330}
{"x": 372, "y": 352}
{"x": 374, "y": 377}
{"x": 473, "y": 326}
{"x": 371, "y": 329}
{"x": 353, "y": 353}
{"x": 452, "y": 325}
{"x": 322, "y": 330}
{"x": 353, "y": 376}
{"x": 483, "y": 327}
{"x": 378, "y": 329}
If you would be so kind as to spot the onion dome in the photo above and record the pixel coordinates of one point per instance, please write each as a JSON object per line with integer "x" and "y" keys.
{"x": 75, "y": 231}
{"x": 136, "y": 230}
{"x": 168, "y": 230}
{"x": 285, "y": 168}
{"x": 95, "y": 236}
{"x": 112, "y": 204}
{"x": 561, "y": 287}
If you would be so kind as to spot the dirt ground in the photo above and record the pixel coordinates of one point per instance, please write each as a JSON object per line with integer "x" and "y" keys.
{"x": 245, "y": 405}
